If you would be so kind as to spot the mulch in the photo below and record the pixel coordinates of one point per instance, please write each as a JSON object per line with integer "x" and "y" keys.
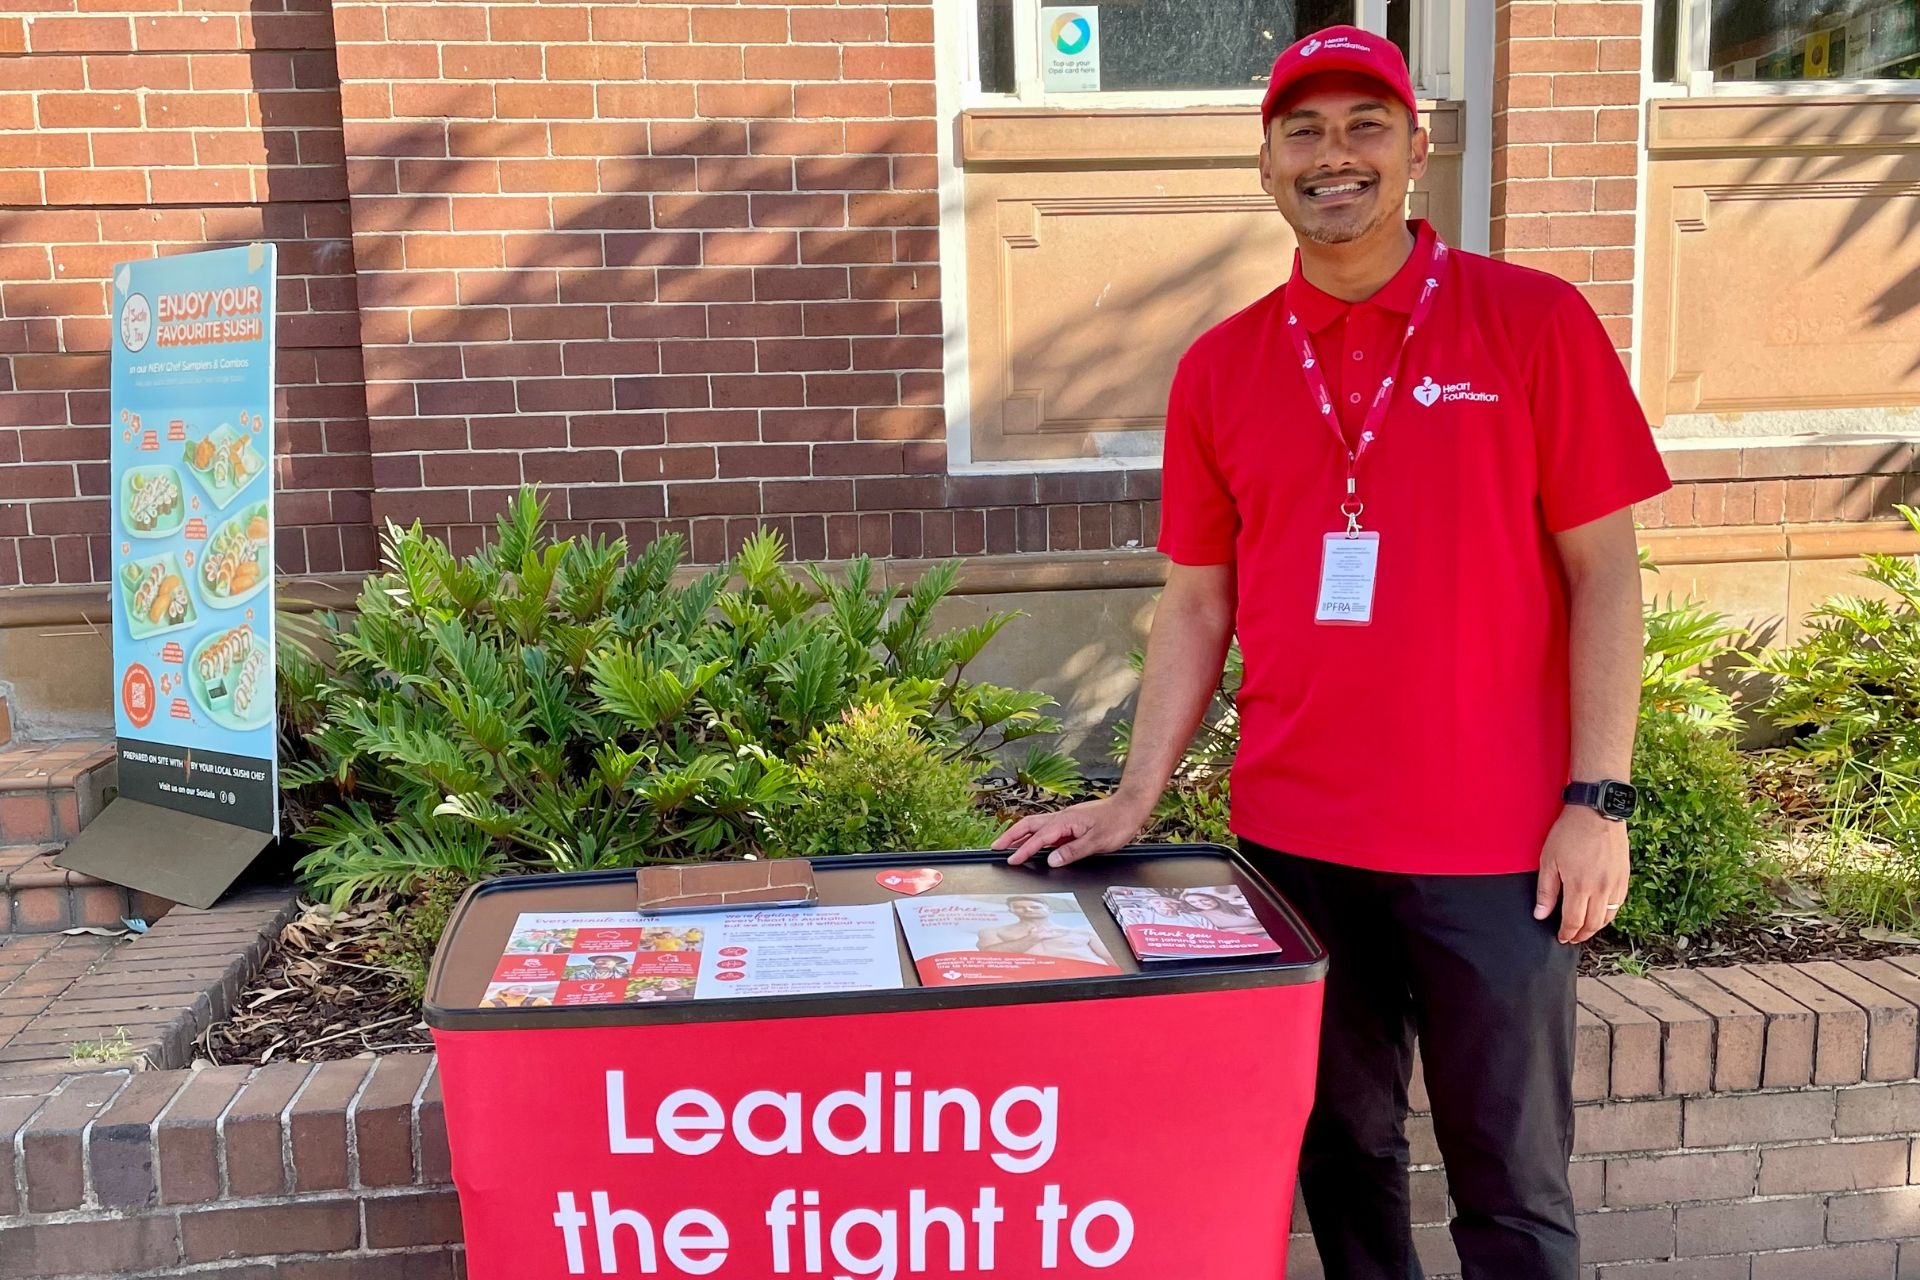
{"x": 322, "y": 994}
{"x": 1788, "y": 936}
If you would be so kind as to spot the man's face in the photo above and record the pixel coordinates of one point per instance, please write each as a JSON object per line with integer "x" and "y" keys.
{"x": 1028, "y": 909}
{"x": 1339, "y": 157}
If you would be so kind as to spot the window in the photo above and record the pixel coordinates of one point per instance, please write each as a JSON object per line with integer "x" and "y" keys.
{"x": 1786, "y": 43}
{"x": 1039, "y": 50}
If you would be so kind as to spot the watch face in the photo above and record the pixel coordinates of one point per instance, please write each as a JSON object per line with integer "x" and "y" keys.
{"x": 1618, "y": 800}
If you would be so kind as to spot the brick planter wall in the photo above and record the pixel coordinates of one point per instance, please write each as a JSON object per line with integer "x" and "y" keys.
{"x": 1752, "y": 1123}
{"x": 335, "y": 1172}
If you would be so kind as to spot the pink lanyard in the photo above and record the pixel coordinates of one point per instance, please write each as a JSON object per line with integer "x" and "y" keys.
{"x": 1316, "y": 377}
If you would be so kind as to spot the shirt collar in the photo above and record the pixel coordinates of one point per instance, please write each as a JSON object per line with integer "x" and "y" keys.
{"x": 1318, "y": 309}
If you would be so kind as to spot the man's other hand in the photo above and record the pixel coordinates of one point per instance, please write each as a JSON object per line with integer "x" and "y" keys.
{"x": 1097, "y": 826}
{"x": 1584, "y": 869}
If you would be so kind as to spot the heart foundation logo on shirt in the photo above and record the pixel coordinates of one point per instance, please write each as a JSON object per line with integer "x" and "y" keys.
{"x": 1429, "y": 393}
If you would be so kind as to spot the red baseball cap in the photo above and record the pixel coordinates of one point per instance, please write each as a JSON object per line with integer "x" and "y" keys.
{"x": 1342, "y": 49}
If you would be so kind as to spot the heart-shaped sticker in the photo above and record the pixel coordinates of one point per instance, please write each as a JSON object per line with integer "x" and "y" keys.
{"x": 915, "y": 881}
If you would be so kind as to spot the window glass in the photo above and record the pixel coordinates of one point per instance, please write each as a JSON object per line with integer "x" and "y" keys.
{"x": 1666, "y": 41}
{"x": 1814, "y": 39}
{"x": 1179, "y": 44}
{"x": 996, "y": 46}
{"x": 1400, "y": 30}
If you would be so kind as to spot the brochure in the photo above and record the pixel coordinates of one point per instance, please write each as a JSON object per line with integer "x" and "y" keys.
{"x": 624, "y": 957}
{"x": 961, "y": 940}
{"x": 797, "y": 951}
{"x": 1188, "y": 924}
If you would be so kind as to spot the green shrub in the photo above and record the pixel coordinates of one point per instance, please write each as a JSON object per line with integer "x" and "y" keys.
{"x": 1194, "y": 812}
{"x": 1696, "y": 839}
{"x": 875, "y": 782}
{"x": 1850, "y": 691}
{"x": 561, "y": 705}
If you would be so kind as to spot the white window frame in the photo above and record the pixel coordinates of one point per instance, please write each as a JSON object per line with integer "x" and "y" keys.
{"x": 1693, "y": 70}
{"x": 1434, "y": 49}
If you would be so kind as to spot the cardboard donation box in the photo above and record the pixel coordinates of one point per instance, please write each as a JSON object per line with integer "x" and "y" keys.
{"x": 934, "y": 1065}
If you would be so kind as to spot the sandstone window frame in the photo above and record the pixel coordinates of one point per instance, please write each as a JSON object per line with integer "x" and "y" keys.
{"x": 1717, "y": 148}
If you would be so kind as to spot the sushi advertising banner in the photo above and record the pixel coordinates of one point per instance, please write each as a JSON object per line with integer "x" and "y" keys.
{"x": 192, "y": 502}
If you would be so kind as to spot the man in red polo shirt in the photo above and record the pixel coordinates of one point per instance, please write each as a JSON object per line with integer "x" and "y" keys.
{"x": 1404, "y": 478}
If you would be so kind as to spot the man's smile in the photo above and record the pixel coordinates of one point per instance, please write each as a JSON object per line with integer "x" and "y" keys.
{"x": 1333, "y": 192}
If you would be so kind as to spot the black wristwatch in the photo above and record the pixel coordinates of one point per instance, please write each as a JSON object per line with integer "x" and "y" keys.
{"x": 1609, "y": 799}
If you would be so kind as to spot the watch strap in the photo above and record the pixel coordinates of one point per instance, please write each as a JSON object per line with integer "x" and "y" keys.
{"x": 1584, "y": 793}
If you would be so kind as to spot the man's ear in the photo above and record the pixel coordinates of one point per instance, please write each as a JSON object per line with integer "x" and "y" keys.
{"x": 1266, "y": 168}
{"x": 1422, "y": 151}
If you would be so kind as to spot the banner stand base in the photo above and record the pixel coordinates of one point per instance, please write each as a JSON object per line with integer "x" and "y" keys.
{"x": 181, "y": 857}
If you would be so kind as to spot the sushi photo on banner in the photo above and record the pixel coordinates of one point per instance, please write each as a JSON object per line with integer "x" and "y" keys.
{"x": 191, "y": 448}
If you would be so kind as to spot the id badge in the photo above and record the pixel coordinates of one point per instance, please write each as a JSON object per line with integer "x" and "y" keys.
{"x": 1348, "y": 563}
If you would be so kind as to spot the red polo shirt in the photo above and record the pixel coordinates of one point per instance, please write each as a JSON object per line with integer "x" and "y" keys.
{"x": 1436, "y": 738}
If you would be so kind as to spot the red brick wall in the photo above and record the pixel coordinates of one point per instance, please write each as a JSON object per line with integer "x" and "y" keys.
{"x": 676, "y": 263}
{"x": 1566, "y": 137}
{"x": 126, "y": 133}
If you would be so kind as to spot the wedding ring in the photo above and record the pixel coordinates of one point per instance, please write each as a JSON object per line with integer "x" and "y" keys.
{"x": 1613, "y": 906}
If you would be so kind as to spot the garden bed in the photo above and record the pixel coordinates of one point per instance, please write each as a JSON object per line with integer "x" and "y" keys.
{"x": 549, "y": 705}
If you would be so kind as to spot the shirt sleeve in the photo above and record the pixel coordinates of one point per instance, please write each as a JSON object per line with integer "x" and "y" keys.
{"x": 1596, "y": 452}
{"x": 1198, "y": 521}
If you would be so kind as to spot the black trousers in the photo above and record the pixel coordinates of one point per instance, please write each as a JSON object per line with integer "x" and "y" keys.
{"x": 1461, "y": 962}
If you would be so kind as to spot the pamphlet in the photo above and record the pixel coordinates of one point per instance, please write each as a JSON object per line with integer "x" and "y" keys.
{"x": 609, "y": 957}
{"x": 1187, "y": 924}
{"x": 797, "y": 951}
{"x": 962, "y": 940}
{"x": 624, "y": 957}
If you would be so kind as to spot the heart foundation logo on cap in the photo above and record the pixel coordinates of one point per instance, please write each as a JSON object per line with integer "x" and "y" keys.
{"x": 914, "y": 882}
{"x": 1427, "y": 392}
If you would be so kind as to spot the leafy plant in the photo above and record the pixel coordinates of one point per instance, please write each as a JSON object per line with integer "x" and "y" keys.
{"x": 567, "y": 705}
{"x": 1053, "y": 773}
{"x": 1696, "y": 838}
{"x": 1850, "y": 691}
{"x": 1216, "y": 741}
{"x": 874, "y": 781}
{"x": 1683, "y": 640}
{"x": 1192, "y": 811}
{"x": 115, "y": 1048}
{"x": 1196, "y": 803}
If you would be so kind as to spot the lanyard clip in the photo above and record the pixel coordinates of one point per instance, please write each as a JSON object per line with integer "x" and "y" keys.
{"x": 1351, "y": 509}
